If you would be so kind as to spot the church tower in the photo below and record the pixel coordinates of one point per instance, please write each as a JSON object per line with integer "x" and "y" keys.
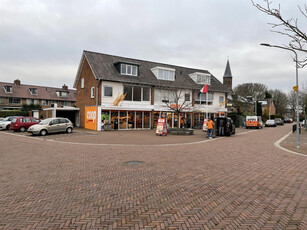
{"x": 227, "y": 79}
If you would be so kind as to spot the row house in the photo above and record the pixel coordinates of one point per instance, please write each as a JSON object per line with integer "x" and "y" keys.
{"x": 14, "y": 95}
{"x": 148, "y": 89}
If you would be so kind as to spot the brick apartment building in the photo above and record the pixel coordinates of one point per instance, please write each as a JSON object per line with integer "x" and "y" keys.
{"x": 53, "y": 101}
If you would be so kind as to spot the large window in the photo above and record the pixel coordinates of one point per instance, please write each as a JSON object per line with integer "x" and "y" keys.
{"x": 1, "y": 100}
{"x": 201, "y": 78}
{"x": 201, "y": 99}
{"x": 146, "y": 93}
{"x": 221, "y": 99}
{"x": 45, "y": 102}
{"x": 62, "y": 93}
{"x": 108, "y": 91}
{"x": 187, "y": 97}
{"x": 14, "y": 100}
{"x": 136, "y": 93}
{"x": 163, "y": 73}
{"x": 129, "y": 69}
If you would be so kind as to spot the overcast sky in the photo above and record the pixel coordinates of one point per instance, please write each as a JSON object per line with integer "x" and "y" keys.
{"x": 41, "y": 42}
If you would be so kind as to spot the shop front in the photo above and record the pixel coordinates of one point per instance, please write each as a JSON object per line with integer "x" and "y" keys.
{"x": 126, "y": 119}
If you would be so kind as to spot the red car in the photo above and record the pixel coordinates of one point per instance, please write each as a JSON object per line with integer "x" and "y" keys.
{"x": 23, "y": 123}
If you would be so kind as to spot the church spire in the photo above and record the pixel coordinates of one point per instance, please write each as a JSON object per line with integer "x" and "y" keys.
{"x": 227, "y": 70}
{"x": 227, "y": 79}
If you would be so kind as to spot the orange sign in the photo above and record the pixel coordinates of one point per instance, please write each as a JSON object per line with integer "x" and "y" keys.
{"x": 295, "y": 88}
{"x": 90, "y": 117}
{"x": 174, "y": 106}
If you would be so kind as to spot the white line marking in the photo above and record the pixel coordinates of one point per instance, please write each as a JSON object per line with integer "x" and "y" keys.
{"x": 277, "y": 144}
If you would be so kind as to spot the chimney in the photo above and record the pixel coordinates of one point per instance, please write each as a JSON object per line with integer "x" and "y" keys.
{"x": 65, "y": 87}
{"x": 17, "y": 82}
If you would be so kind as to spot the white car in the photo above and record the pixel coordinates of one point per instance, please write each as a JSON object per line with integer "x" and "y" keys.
{"x": 6, "y": 122}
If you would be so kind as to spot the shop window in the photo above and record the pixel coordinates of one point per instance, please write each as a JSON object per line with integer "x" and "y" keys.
{"x": 139, "y": 120}
{"x": 137, "y": 92}
{"x": 114, "y": 119}
{"x": 146, "y": 120}
{"x": 123, "y": 120}
{"x": 131, "y": 120}
{"x": 108, "y": 91}
{"x": 146, "y": 93}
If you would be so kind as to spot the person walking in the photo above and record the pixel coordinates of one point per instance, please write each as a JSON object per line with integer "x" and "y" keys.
{"x": 210, "y": 125}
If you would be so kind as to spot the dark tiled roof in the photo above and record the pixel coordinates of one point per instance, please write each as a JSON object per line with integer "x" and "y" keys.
{"x": 103, "y": 67}
{"x": 46, "y": 93}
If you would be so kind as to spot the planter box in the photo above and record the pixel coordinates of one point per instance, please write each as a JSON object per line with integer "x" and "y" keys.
{"x": 107, "y": 127}
{"x": 184, "y": 131}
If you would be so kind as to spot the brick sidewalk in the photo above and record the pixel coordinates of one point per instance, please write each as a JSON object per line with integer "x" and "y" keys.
{"x": 237, "y": 182}
{"x": 291, "y": 141}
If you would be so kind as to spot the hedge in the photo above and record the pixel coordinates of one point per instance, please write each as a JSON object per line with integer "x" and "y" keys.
{"x": 6, "y": 113}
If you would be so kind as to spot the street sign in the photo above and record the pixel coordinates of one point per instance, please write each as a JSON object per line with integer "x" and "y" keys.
{"x": 295, "y": 88}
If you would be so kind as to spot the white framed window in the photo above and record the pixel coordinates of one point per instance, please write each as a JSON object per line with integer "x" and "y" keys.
{"x": 187, "y": 97}
{"x": 62, "y": 93}
{"x": 1, "y": 100}
{"x": 33, "y": 91}
{"x": 29, "y": 101}
{"x": 36, "y": 102}
{"x": 82, "y": 83}
{"x": 8, "y": 89}
{"x": 92, "y": 92}
{"x": 201, "y": 78}
{"x": 45, "y": 102}
{"x": 221, "y": 99}
{"x": 201, "y": 99}
{"x": 108, "y": 91}
{"x": 129, "y": 69}
{"x": 163, "y": 73}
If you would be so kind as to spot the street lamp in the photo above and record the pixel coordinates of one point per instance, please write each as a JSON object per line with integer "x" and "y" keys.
{"x": 297, "y": 96}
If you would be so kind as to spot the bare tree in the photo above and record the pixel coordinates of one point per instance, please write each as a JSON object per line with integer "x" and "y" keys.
{"x": 292, "y": 101}
{"x": 287, "y": 27}
{"x": 256, "y": 90}
{"x": 281, "y": 101}
{"x": 177, "y": 100}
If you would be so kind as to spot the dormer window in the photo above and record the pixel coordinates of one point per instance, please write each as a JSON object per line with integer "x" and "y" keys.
{"x": 201, "y": 78}
{"x": 62, "y": 93}
{"x": 163, "y": 73}
{"x": 33, "y": 91}
{"x": 129, "y": 69}
{"x": 8, "y": 89}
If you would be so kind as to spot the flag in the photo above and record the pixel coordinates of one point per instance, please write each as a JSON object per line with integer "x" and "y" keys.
{"x": 203, "y": 90}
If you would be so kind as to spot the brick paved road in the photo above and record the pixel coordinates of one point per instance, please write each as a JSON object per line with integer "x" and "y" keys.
{"x": 240, "y": 182}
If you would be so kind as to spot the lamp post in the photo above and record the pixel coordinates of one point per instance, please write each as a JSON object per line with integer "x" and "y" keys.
{"x": 297, "y": 94}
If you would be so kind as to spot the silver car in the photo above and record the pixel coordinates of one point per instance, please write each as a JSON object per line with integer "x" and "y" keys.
{"x": 51, "y": 125}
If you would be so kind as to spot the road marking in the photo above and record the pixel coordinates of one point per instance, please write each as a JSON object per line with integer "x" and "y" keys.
{"x": 277, "y": 144}
{"x": 128, "y": 145}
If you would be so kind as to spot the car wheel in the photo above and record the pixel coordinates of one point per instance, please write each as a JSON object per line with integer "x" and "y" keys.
{"x": 68, "y": 130}
{"x": 22, "y": 129}
{"x": 8, "y": 127}
{"x": 43, "y": 132}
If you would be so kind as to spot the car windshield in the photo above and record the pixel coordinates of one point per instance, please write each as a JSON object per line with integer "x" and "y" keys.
{"x": 45, "y": 122}
{"x": 7, "y": 119}
{"x": 14, "y": 120}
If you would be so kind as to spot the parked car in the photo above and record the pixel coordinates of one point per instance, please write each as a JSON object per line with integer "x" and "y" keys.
{"x": 1, "y": 119}
{"x": 6, "y": 123}
{"x": 278, "y": 121}
{"x": 270, "y": 123}
{"x": 288, "y": 120}
{"x": 23, "y": 123}
{"x": 51, "y": 125}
